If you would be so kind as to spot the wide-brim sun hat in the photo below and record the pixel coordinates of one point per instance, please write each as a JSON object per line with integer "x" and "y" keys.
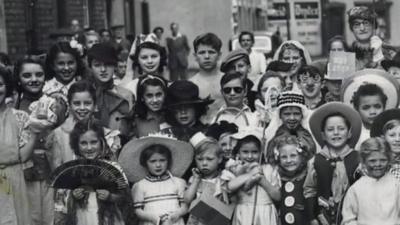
{"x": 319, "y": 115}
{"x": 382, "y": 79}
{"x": 129, "y": 158}
{"x": 382, "y": 119}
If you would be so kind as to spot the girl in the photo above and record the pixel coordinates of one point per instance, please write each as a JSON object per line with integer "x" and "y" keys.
{"x": 154, "y": 164}
{"x": 150, "y": 106}
{"x": 292, "y": 51}
{"x": 206, "y": 175}
{"x": 87, "y": 206}
{"x": 260, "y": 179}
{"x": 184, "y": 111}
{"x": 63, "y": 66}
{"x": 337, "y": 44}
{"x": 148, "y": 59}
{"x": 17, "y": 139}
{"x": 375, "y": 198}
{"x": 292, "y": 160}
{"x": 336, "y": 127}
{"x": 387, "y": 125}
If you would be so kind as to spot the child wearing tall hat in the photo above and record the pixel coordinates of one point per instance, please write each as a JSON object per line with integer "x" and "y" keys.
{"x": 154, "y": 164}
{"x": 184, "y": 109}
{"x": 374, "y": 198}
{"x": 336, "y": 127}
{"x": 115, "y": 104}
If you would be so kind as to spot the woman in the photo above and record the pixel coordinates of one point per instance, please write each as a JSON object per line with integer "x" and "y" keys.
{"x": 17, "y": 139}
{"x": 149, "y": 59}
{"x": 150, "y": 105}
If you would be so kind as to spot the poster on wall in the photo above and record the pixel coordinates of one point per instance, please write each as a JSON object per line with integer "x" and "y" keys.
{"x": 305, "y": 22}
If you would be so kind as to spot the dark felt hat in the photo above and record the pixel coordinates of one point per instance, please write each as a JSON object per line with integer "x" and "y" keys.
{"x": 382, "y": 119}
{"x": 233, "y": 56}
{"x": 184, "y": 92}
{"x": 386, "y": 64}
{"x": 279, "y": 66}
{"x": 104, "y": 52}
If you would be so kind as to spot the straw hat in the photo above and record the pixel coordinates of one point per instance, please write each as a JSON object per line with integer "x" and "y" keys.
{"x": 382, "y": 119}
{"x": 330, "y": 108}
{"x": 382, "y": 79}
{"x": 129, "y": 158}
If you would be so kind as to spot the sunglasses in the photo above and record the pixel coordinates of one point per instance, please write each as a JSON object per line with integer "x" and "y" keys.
{"x": 228, "y": 90}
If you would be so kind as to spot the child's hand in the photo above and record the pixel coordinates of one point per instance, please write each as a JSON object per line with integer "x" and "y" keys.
{"x": 196, "y": 173}
{"x": 78, "y": 193}
{"x": 103, "y": 194}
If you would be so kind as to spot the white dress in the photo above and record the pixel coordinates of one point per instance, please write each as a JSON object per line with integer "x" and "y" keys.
{"x": 265, "y": 211}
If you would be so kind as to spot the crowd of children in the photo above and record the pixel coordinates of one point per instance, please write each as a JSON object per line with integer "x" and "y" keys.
{"x": 246, "y": 143}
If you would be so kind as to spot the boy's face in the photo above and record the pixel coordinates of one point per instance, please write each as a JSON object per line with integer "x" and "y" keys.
{"x": 309, "y": 85}
{"x": 370, "y": 107}
{"x": 207, "y": 57}
{"x": 208, "y": 161}
{"x": 395, "y": 72}
{"x": 377, "y": 164}
{"x": 333, "y": 86}
{"x": 291, "y": 117}
{"x": 121, "y": 68}
{"x": 101, "y": 71}
{"x": 336, "y": 132}
{"x": 240, "y": 66}
{"x": 91, "y": 40}
{"x": 185, "y": 115}
{"x": 234, "y": 93}
{"x": 246, "y": 42}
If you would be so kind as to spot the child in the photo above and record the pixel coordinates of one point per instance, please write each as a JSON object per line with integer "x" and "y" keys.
{"x": 154, "y": 164}
{"x": 206, "y": 176}
{"x": 87, "y": 206}
{"x": 292, "y": 160}
{"x": 336, "y": 127}
{"x": 184, "y": 111}
{"x": 222, "y": 132}
{"x": 387, "y": 125}
{"x": 260, "y": 179}
{"x": 375, "y": 198}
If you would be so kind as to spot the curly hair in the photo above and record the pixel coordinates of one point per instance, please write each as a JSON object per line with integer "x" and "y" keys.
{"x": 375, "y": 144}
{"x": 368, "y": 89}
{"x": 149, "y": 45}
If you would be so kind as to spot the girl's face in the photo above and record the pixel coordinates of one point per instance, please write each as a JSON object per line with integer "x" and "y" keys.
{"x": 153, "y": 98}
{"x": 31, "y": 78}
{"x": 337, "y": 46}
{"x": 3, "y": 90}
{"x": 377, "y": 163}
{"x": 289, "y": 158}
{"x": 336, "y": 132}
{"x": 157, "y": 164}
{"x": 208, "y": 162}
{"x": 392, "y": 136}
{"x": 249, "y": 152}
{"x": 82, "y": 105}
{"x": 149, "y": 60}
{"x": 276, "y": 87}
{"x": 370, "y": 107}
{"x": 185, "y": 115}
{"x": 291, "y": 56}
{"x": 90, "y": 145}
{"x": 65, "y": 67}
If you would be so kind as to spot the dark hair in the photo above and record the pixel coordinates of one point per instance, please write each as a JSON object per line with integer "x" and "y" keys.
{"x": 346, "y": 121}
{"x": 209, "y": 39}
{"x": 81, "y": 86}
{"x": 375, "y": 144}
{"x": 8, "y": 80}
{"x": 368, "y": 89}
{"x": 62, "y": 47}
{"x": 292, "y": 46}
{"x": 310, "y": 70}
{"x": 338, "y": 38}
{"x": 18, "y": 68}
{"x": 101, "y": 31}
{"x": 158, "y": 28}
{"x": 5, "y": 59}
{"x": 172, "y": 24}
{"x": 246, "y": 140}
{"x": 227, "y": 77}
{"x": 149, "y": 45}
{"x": 141, "y": 109}
{"x": 153, "y": 149}
{"x": 84, "y": 126}
{"x": 243, "y": 33}
{"x": 267, "y": 75}
{"x": 200, "y": 110}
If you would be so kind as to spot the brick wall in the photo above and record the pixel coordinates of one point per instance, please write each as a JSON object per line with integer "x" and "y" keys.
{"x": 15, "y": 26}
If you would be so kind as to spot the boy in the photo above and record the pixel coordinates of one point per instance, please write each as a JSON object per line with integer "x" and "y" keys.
{"x": 115, "y": 103}
{"x": 309, "y": 80}
{"x": 207, "y": 51}
{"x": 121, "y": 67}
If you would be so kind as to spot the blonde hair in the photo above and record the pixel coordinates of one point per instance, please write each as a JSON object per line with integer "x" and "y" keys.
{"x": 390, "y": 125}
{"x": 375, "y": 144}
{"x": 207, "y": 144}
